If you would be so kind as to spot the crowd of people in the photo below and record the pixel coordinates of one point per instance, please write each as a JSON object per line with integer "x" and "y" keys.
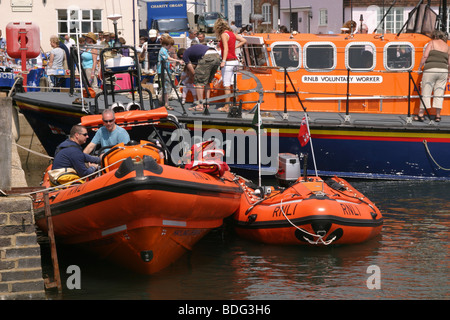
{"x": 197, "y": 63}
{"x": 200, "y": 62}
{"x": 154, "y": 51}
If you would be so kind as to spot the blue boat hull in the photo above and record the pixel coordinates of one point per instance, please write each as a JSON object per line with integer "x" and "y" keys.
{"x": 364, "y": 153}
{"x": 404, "y": 152}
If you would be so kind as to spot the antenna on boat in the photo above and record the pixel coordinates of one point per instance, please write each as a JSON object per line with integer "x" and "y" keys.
{"x": 257, "y": 121}
{"x": 80, "y": 71}
{"x": 114, "y": 17}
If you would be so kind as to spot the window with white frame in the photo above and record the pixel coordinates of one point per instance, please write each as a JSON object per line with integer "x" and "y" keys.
{"x": 83, "y": 20}
{"x": 394, "y": 20}
{"x": 447, "y": 27}
{"x": 319, "y": 56}
{"x": 323, "y": 17}
{"x": 360, "y": 56}
{"x": 286, "y": 55}
{"x": 266, "y": 12}
{"x": 398, "y": 56}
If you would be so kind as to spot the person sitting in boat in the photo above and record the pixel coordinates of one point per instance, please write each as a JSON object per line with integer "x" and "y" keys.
{"x": 69, "y": 154}
{"x": 109, "y": 135}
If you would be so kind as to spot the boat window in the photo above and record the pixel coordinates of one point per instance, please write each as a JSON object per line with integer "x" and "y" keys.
{"x": 360, "y": 56}
{"x": 398, "y": 56}
{"x": 286, "y": 55}
{"x": 319, "y": 56}
{"x": 255, "y": 55}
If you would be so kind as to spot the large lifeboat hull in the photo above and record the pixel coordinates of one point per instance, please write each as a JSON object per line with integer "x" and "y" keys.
{"x": 308, "y": 213}
{"x": 142, "y": 215}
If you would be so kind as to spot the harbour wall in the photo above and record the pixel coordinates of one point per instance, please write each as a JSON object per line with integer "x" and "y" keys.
{"x": 20, "y": 255}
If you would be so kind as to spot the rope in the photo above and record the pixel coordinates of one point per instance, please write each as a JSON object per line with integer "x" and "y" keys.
{"x": 18, "y": 77}
{"x": 319, "y": 237}
{"x": 70, "y": 183}
{"x": 429, "y": 153}
{"x": 34, "y": 152}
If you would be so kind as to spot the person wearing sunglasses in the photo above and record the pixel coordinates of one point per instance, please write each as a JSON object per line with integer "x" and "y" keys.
{"x": 109, "y": 135}
{"x": 69, "y": 153}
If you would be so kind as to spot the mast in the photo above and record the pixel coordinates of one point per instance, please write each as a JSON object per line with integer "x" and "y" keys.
{"x": 443, "y": 15}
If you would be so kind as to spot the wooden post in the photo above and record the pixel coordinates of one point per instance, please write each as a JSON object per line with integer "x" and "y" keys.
{"x": 51, "y": 235}
{"x": 5, "y": 142}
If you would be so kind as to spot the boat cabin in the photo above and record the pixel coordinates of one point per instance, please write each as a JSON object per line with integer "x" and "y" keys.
{"x": 373, "y": 73}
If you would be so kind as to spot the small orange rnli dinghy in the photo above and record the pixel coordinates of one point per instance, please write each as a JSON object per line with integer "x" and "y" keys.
{"x": 140, "y": 212}
{"x": 309, "y": 212}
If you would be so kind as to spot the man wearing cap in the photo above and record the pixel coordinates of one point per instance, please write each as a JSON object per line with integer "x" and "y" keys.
{"x": 106, "y": 39}
{"x": 107, "y": 43}
{"x": 152, "y": 46}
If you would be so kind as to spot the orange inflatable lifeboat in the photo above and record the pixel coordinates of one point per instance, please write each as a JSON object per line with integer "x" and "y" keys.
{"x": 139, "y": 212}
{"x": 309, "y": 212}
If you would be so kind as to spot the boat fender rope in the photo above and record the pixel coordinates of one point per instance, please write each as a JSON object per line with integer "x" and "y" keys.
{"x": 34, "y": 152}
{"x": 319, "y": 237}
{"x": 429, "y": 153}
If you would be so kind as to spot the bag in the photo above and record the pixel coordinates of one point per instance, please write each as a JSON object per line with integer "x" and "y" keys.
{"x": 62, "y": 176}
{"x": 204, "y": 157}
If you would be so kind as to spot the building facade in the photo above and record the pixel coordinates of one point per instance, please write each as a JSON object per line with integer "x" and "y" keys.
{"x": 69, "y": 17}
{"x": 319, "y": 16}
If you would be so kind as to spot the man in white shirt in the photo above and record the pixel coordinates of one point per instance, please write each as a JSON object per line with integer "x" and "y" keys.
{"x": 192, "y": 36}
{"x": 68, "y": 41}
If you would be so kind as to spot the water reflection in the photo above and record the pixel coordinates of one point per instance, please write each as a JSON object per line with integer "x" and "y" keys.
{"x": 412, "y": 253}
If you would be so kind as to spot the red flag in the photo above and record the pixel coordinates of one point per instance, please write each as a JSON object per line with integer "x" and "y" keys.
{"x": 303, "y": 133}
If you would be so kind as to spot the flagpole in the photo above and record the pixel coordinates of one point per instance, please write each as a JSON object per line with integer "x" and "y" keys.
{"x": 312, "y": 148}
{"x": 78, "y": 33}
{"x": 259, "y": 143}
{"x": 257, "y": 125}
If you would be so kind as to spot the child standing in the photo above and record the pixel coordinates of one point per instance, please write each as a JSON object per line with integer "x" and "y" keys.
{"x": 188, "y": 82}
{"x": 164, "y": 60}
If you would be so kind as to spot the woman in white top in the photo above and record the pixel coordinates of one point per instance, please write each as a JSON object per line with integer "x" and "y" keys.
{"x": 56, "y": 60}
